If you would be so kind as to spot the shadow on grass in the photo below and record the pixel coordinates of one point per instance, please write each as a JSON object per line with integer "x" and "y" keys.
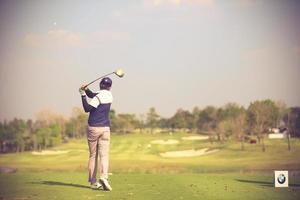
{"x": 265, "y": 183}
{"x": 56, "y": 183}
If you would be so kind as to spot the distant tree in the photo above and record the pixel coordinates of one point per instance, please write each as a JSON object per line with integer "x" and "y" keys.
{"x": 79, "y": 121}
{"x": 113, "y": 120}
{"x": 47, "y": 117}
{"x": 207, "y": 120}
{"x": 141, "y": 122}
{"x": 231, "y": 120}
{"x": 70, "y": 125}
{"x": 262, "y": 115}
{"x": 164, "y": 123}
{"x": 55, "y": 135}
{"x": 240, "y": 126}
{"x": 43, "y": 137}
{"x": 3, "y": 128}
{"x": 282, "y": 112}
{"x": 224, "y": 129}
{"x": 294, "y": 121}
{"x": 195, "y": 112}
{"x": 18, "y": 128}
{"x": 182, "y": 119}
{"x": 283, "y": 119}
{"x": 152, "y": 119}
{"x": 126, "y": 123}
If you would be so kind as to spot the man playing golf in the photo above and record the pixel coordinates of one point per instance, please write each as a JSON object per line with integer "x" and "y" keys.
{"x": 98, "y": 134}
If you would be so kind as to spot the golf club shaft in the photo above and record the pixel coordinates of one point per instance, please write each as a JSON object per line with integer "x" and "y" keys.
{"x": 98, "y": 79}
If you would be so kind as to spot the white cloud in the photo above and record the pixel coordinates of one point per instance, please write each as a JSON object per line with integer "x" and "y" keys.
{"x": 54, "y": 38}
{"x": 61, "y": 39}
{"x": 116, "y": 13}
{"x": 57, "y": 38}
{"x": 158, "y": 3}
{"x": 108, "y": 36}
{"x": 271, "y": 55}
{"x": 247, "y": 3}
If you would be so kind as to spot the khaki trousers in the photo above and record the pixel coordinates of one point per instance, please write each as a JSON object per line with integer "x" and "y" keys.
{"x": 98, "y": 141}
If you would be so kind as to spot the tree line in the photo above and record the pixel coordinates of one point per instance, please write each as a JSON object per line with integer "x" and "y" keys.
{"x": 230, "y": 121}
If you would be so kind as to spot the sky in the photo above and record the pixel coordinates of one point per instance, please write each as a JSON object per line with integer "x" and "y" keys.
{"x": 175, "y": 53}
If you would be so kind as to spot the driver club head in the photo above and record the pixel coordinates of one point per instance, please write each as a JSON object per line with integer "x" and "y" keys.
{"x": 119, "y": 72}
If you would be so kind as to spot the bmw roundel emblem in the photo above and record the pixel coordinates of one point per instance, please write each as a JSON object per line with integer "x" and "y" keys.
{"x": 281, "y": 178}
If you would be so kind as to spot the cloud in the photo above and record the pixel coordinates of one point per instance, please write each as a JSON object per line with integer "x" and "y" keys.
{"x": 246, "y": 3}
{"x": 116, "y": 13}
{"x": 258, "y": 54}
{"x": 271, "y": 55}
{"x": 61, "y": 39}
{"x": 54, "y": 38}
{"x": 108, "y": 36}
{"x": 158, "y": 3}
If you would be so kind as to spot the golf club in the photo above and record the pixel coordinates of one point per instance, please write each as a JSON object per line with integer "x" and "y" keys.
{"x": 118, "y": 72}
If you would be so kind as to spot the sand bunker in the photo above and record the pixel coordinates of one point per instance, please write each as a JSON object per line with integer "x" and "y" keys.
{"x": 188, "y": 153}
{"x": 48, "y": 152}
{"x": 198, "y": 137}
{"x": 164, "y": 142}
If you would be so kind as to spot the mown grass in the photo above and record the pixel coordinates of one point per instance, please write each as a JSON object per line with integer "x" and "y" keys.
{"x": 135, "y": 153}
{"x": 66, "y": 185}
{"x": 139, "y": 172}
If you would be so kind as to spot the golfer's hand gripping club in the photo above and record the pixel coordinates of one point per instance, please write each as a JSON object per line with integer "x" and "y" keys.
{"x": 82, "y": 91}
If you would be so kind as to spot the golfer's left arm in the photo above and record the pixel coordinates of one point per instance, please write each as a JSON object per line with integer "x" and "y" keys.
{"x": 89, "y": 93}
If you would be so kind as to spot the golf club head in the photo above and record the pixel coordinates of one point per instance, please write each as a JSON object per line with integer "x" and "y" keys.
{"x": 119, "y": 72}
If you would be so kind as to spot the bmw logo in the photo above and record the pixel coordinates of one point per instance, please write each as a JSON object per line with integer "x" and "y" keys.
{"x": 281, "y": 178}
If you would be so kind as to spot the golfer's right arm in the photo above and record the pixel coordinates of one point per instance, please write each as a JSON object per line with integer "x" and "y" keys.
{"x": 86, "y": 106}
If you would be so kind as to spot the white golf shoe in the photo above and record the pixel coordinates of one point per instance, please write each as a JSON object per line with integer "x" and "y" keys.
{"x": 105, "y": 184}
{"x": 96, "y": 186}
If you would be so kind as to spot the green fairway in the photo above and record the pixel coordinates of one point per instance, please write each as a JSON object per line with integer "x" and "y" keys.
{"x": 135, "y": 153}
{"x": 139, "y": 172}
{"x": 65, "y": 185}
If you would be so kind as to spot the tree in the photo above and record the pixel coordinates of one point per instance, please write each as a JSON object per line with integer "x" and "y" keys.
{"x": 239, "y": 126}
{"x": 152, "y": 119}
{"x": 79, "y": 122}
{"x": 294, "y": 121}
{"x": 182, "y": 119}
{"x": 231, "y": 121}
{"x": 164, "y": 123}
{"x": 18, "y": 128}
{"x": 262, "y": 115}
{"x": 113, "y": 120}
{"x": 282, "y": 113}
{"x": 141, "y": 122}
{"x": 47, "y": 117}
{"x": 43, "y": 137}
{"x": 195, "y": 112}
{"x": 207, "y": 120}
{"x": 223, "y": 129}
{"x": 231, "y": 111}
{"x": 283, "y": 119}
{"x": 126, "y": 122}
{"x": 55, "y": 135}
